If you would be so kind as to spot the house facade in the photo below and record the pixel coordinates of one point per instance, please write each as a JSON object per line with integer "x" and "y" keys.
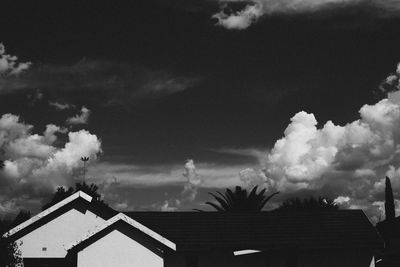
{"x": 77, "y": 232}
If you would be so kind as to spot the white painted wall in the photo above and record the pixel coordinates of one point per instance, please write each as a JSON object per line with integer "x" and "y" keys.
{"x": 58, "y": 234}
{"x": 118, "y": 250}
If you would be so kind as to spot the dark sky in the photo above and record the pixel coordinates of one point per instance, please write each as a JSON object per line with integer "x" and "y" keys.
{"x": 164, "y": 83}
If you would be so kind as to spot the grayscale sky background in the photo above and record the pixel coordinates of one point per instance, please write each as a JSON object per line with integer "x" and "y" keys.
{"x": 172, "y": 99}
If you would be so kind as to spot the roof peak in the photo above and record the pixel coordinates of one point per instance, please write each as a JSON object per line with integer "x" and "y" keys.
{"x": 132, "y": 222}
{"x": 58, "y": 205}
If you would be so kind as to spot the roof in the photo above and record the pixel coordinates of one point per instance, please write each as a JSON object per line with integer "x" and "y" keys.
{"x": 131, "y": 222}
{"x": 264, "y": 230}
{"x": 48, "y": 211}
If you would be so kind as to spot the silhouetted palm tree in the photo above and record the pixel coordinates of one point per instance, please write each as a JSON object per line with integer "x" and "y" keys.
{"x": 240, "y": 201}
{"x": 311, "y": 203}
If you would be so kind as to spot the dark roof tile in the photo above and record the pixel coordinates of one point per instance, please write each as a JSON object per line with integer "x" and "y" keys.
{"x": 264, "y": 230}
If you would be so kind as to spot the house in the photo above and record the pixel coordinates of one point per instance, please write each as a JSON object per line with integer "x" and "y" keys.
{"x": 77, "y": 232}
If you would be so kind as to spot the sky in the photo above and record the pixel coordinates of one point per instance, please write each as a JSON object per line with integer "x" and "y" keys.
{"x": 171, "y": 100}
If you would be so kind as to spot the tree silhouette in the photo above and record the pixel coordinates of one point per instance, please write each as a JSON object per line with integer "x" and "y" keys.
{"x": 10, "y": 255}
{"x": 22, "y": 216}
{"x": 389, "y": 201}
{"x": 311, "y": 203}
{"x": 62, "y": 193}
{"x": 90, "y": 189}
{"x": 240, "y": 201}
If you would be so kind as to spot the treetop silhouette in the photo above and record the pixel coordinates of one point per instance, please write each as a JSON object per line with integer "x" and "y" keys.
{"x": 240, "y": 200}
{"x": 62, "y": 193}
{"x": 390, "y": 213}
{"x": 311, "y": 203}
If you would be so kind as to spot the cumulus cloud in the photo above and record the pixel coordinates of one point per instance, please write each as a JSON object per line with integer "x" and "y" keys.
{"x": 33, "y": 164}
{"x": 252, "y": 177}
{"x": 167, "y": 206}
{"x": 253, "y": 10}
{"x": 380, "y": 207}
{"x": 341, "y": 200}
{"x": 241, "y": 19}
{"x": 346, "y": 162}
{"x": 189, "y": 192}
{"x": 193, "y": 181}
{"x": 81, "y": 118}
{"x": 9, "y": 65}
{"x": 307, "y": 153}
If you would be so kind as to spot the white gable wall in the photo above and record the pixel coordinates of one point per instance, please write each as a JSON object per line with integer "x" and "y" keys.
{"x": 118, "y": 250}
{"x": 58, "y": 234}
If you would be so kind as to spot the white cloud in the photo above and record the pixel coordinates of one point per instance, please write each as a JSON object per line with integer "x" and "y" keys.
{"x": 9, "y": 65}
{"x": 242, "y": 19}
{"x": 346, "y": 162}
{"x": 33, "y": 164}
{"x": 212, "y": 175}
{"x": 341, "y": 200}
{"x": 167, "y": 206}
{"x": 193, "y": 181}
{"x": 306, "y": 154}
{"x": 81, "y": 118}
{"x": 380, "y": 206}
{"x": 251, "y": 178}
{"x": 189, "y": 192}
{"x": 255, "y": 9}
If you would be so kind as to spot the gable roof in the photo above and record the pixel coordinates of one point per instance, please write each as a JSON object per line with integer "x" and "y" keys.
{"x": 48, "y": 211}
{"x": 264, "y": 230}
{"x": 129, "y": 221}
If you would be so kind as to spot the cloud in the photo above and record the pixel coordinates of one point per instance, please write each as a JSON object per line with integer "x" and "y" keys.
{"x": 186, "y": 198}
{"x": 380, "y": 207}
{"x": 348, "y": 162}
{"x": 167, "y": 206}
{"x": 183, "y": 191}
{"x": 81, "y": 118}
{"x": 253, "y": 10}
{"x": 193, "y": 181}
{"x": 306, "y": 153}
{"x": 257, "y": 154}
{"x": 151, "y": 176}
{"x": 120, "y": 83}
{"x": 163, "y": 83}
{"x": 34, "y": 165}
{"x": 9, "y": 65}
{"x": 35, "y": 97}
{"x": 60, "y": 106}
{"x": 251, "y": 178}
{"x": 242, "y": 19}
{"x": 341, "y": 200}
